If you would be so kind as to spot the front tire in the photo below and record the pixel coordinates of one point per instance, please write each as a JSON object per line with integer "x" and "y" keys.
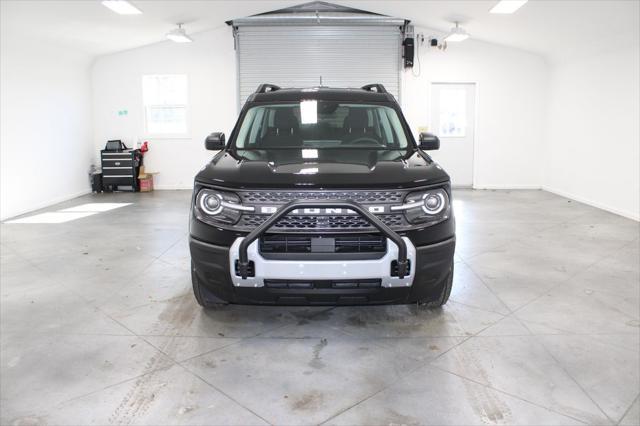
{"x": 204, "y": 297}
{"x": 443, "y": 293}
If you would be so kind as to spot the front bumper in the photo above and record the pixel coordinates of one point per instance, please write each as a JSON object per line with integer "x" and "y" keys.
{"x": 338, "y": 270}
{"x": 430, "y": 266}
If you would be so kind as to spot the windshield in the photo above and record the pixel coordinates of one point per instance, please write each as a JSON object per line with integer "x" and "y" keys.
{"x": 321, "y": 125}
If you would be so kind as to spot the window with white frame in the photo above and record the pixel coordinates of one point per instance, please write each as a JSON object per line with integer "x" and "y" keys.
{"x": 453, "y": 113}
{"x": 165, "y": 104}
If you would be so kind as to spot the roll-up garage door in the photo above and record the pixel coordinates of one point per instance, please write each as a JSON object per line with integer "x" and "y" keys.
{"x": 299, "y": 56}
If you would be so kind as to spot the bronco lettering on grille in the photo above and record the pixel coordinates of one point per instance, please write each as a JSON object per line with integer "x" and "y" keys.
{"x": 324, "y": 211}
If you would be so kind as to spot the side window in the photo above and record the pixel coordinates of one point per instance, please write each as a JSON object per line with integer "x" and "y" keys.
{"x": 257, "y": 130}
{"x": 453, "y": 113}
{"x": 375, "y": 123}
{"x": 242, "y": 138}
{"x": 399, "y": 138}
{"x": 386, "y": 128}
{"x": 271, "y": 113}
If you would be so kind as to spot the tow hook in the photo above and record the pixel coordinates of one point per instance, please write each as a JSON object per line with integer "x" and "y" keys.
{"x": 403, "y": 268}
{"x": 243, "y": 269}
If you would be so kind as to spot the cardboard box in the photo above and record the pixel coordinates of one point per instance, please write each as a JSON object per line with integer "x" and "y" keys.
{"x": 145, "y": 179}
{"x": 146, "y": 184}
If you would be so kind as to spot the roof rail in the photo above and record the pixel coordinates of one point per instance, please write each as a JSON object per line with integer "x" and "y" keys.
{"x": 264, "y": 88}
{"x": 377, "y": 87}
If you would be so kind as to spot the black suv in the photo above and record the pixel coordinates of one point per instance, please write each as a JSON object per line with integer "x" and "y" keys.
{"x": 322, "y": 196}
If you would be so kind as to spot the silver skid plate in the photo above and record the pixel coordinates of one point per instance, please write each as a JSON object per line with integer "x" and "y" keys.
{"x": 322, "y": 269}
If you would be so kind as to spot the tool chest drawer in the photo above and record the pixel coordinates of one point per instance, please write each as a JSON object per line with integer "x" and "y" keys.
{"x": 112, "y": 182}
{"x": 117, "y": 162}
{"x": 120, "y": 169}
{"x": 117, "y": 171}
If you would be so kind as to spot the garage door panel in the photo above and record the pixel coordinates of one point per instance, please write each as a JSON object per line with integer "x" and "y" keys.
{"x": 296, "y": 56}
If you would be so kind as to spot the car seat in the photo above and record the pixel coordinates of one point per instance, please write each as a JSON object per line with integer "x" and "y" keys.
{"x": 285, "y": 131}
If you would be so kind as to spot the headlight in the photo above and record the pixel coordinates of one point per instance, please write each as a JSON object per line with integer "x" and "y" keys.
{"x": 215, "y": 207}
{"x": 211, "y": 203}
{"x": 434, "y": 202}
{"x": 428, "y": 207}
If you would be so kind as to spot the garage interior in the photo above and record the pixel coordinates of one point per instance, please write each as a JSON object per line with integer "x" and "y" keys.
{"x": 538, "y": 112}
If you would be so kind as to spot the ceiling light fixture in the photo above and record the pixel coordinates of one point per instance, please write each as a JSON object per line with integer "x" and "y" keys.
{"x": 505, "y": 7}
{"x": 457, "y": 33}
{"x": 122, "y": 7}
{"x": 179, "y": 35}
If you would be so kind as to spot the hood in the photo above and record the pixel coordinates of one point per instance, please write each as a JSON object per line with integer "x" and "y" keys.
{"x": 322, "y": 168}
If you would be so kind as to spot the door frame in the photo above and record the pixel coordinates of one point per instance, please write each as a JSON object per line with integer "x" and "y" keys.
{"x": 476, "y": 140}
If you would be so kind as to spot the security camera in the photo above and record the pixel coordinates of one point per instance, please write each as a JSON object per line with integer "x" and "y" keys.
{"x": 440, "y": 45}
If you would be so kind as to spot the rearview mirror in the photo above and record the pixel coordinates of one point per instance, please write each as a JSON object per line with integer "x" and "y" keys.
{"x": 429, "y": 142}
{"x": 215, "y": 141}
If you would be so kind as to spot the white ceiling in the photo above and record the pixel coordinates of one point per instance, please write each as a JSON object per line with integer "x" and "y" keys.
{"x": 555, "y": 29}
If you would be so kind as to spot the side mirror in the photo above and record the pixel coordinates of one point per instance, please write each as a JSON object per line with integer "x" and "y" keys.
{"x": 429, "y": 142}
{"x": 215, "y": 141}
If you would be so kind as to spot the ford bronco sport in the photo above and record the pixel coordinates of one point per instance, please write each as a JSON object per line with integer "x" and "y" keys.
{"x": 321, "y": 196}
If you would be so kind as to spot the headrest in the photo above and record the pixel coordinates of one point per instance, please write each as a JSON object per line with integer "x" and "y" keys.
{"x": 284, "y": 119}
{"x": 356, "y": 119}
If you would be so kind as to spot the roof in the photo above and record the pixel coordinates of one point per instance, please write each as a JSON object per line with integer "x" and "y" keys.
{"x": 318, "y": 13}
{"x": 321, "y": 93}
{"x": 318, "y": 6}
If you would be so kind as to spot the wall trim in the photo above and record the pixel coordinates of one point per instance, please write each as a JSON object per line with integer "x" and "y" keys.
{"x": 628, "y": 215}
{"x": 48, "y": 203}
{"x": 512, "y": 186}
{"x": 167, "y": 187}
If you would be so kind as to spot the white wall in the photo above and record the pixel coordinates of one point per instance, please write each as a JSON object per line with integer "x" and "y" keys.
{"x": 571, "y": 128}
{"x": 594, "y": 131}
{"x": 209, "y": 63}
{"x": 46, "y": 119}
{"x": 512, "y": 90}
{"x": 511, "y": 97}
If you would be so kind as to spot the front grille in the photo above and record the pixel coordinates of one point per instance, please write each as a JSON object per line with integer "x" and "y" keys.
{"x": 328, "y": 284}
{"x": 359, "y": 243}
{"x": 308, "y": 221}
{"x": 301, "y": 223}
{"x": 281, "y": 197}
{"x": 285, "y": 244}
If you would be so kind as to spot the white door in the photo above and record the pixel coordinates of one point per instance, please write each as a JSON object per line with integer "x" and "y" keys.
{"x": 453, "y": 121}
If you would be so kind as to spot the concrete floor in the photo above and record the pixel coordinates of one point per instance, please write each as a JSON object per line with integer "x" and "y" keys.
{"x": 99, "y": 326}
